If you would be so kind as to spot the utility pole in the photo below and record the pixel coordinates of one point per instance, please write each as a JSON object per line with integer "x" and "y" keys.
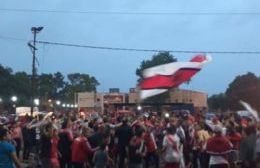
{"x": 34, "y": 30}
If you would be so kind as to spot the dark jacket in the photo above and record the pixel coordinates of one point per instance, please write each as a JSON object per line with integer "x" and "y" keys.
{"x": 247, "y": 148}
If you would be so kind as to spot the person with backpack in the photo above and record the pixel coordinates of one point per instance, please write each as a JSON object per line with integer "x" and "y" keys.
{"x": 171, "y": 148}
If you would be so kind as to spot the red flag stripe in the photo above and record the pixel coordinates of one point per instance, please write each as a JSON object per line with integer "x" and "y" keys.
{"x": 168, "y": 81}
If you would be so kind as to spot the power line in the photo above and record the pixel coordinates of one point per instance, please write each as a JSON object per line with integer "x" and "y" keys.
{"x": 147, "y": 50}
{"x": 132, "y": 49}
{"x": 124, "y": 12}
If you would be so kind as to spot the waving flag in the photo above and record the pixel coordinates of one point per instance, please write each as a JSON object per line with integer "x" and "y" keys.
{"x": 160, "y": 78}
{"x": 250, "y": 110}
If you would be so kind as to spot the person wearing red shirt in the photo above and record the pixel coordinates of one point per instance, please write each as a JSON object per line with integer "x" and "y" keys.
{"x": 151, "y": 147}
{"x": 81, "y": 149}
{"x": 54, "y": 150}
{"x": 235, "y": 139}
{"x": 17, "y": 137}
{"x": 218, "y": 147}
{"x": 64, "y": 145}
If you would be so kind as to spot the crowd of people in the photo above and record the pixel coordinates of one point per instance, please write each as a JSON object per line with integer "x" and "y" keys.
{"x": 178, "y": 140}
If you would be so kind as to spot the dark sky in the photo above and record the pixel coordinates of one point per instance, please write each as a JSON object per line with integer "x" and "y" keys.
{"x": 219, "y": 32}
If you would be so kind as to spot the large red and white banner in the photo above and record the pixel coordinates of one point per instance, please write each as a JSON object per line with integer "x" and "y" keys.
{"x": 160, "y": 78}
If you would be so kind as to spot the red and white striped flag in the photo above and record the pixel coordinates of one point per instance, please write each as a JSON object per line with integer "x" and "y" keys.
{"x": 160, "y": 78}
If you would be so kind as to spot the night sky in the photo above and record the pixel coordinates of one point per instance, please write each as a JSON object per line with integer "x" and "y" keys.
{"x": 208, "y": 32}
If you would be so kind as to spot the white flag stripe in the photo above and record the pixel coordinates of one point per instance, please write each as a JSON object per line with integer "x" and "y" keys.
{"x": 151, "y": 92}
{"x": 250, "y": 109}
{"x": 171, "y": 68}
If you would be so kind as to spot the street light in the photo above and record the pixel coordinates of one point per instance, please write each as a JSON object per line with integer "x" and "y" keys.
{"x": 167, "y": 115}
{"x": 37, "y": 102}
{"x": 58, "y": 102}
{"x": 1, "y": 100}
{"x": 36, "y": 29}
{"x": 14, "y": 99}
{"x": 63, "y": 105}
{"x": 139, "y": 108}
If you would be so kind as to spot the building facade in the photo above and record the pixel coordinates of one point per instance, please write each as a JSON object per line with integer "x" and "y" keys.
{"x": 101, "y": 102}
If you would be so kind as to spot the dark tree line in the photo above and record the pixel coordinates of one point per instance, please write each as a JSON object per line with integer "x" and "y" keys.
{"x": 244, "y": 87}
{"x": 49, "y": 86}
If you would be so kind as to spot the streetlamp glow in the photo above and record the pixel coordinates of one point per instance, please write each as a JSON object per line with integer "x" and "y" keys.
{"x": 139, "y": 108}
{"x": 68, "y": 105}
{"x": 76, "y": 106}
{"x": 1, "y": 100}
{"x": 36, "y": 102}
{"x": 63, "y": 105}
{"x": 14, "y": 98}
{"x": 58, "y": 102}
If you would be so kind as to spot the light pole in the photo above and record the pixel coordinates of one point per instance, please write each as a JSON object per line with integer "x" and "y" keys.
{"x": 14, "y": 99}
{"x": 34, "y": 30}
{"x": 36, "y": 103}
{"x": 57, "y": 105}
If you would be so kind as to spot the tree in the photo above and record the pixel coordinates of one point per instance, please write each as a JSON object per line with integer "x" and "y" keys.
{"x": 45, "y": 86}
{"x": 244, "y": 87}
{"x": 21, "y": 86}
{"x": 50, "y": 85}
{"x": 218, "y": 102}
{"x": 5, "y": 81}
{"x": 79, "y": 83}
{"x": 5, "y": 86}
{"x": 157, "y": 59}
{"x": 58, "y": 84}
